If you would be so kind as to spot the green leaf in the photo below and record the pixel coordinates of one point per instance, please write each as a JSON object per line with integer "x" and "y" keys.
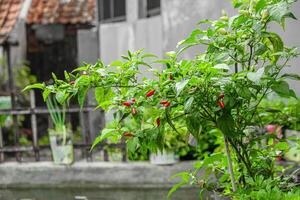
{"x": 116, "y": 63}
{"x": 46, "y": 93}
{"x": 226, "y": 124}
{"x": 143, "y": 63}
{"x": 291, "y": 76}
{"x": 34, "y": 86}
{"x": 61, "y": 96}
{"x": 180, "y": 86}
{"x": 82, "y": 91}
{"x": 274, "y": 42}
{"x": 84, "y": 68}
{"x": 82, "y": 81}
{"x": 185, "y": 176}
{"x": 280, "y": 11}
{"x": 192, "y": 39}
{"x": 67, "y": 77}
{"x": 188, "y": 105}
{"x": 222, "y": 66}
{"x": 106, "y": 133}
{"x": 171, "y": 54}
{"x": 210, "y": 160}
{"x": 129, "y": 54}
{"x": 256, "y": 76}
{"x": 132, "y": 144}
{"x": 282, "y": 89}
{"x": 169, "y": 120}
{"x": 237, "y": 20}
{"x": 148, "y": 55}
{"x": 103, "y": 96}
{"x": 282, "y": 146}
{"x": 260, "y": 5}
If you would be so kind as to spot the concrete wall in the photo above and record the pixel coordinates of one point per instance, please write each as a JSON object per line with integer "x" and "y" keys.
{"x": 117, "y": 38}
{"x": 291, "y": 37}
{"x": 180, "y": 18}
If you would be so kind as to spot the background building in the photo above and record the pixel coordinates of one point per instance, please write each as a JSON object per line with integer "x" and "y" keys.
{"x": 57, "y": 35}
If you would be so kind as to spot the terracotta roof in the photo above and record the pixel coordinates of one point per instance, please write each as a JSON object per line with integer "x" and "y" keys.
{"x": 61, "y": 12}
{"x": 9, "y": 13}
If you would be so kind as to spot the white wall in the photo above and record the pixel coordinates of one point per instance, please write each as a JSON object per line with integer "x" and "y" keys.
{"x": 291, "y": 37}
{"x": 117, "y": 38}
{"x": 179, "y": 17}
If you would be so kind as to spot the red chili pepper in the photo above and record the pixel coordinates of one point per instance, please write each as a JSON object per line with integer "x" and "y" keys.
{"x": 279, "y": 158}
{"x": 133, "y": 100}
{"x": 150, "y": 93}
{"x": 158, "y": 122}
{"x": 163, "y": 102}
{"x": 128, "y": 134}
{"x": 167, "y": 104}
{"x": 221, "y": 104}
{"x": 134, "y": 111}
{"x": 221, "y": 96}
{"x": 72, "y": 82}
{"x": 171, "y": 77}
{"x": 127, "y": 104}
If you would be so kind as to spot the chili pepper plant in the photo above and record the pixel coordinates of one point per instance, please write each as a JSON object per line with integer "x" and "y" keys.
{"x": 220, "y": 88}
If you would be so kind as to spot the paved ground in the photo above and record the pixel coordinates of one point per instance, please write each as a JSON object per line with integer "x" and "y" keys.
{"x": 88, "y": 174}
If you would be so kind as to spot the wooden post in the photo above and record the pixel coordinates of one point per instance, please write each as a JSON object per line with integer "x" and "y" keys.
{"x": 34, "y": 126}
{"x": 1, "y": 146}
{"x": 13, "y": 98}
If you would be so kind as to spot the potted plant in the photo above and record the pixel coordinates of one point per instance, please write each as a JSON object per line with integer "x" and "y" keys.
{"x": 281, "y": 117}
{"x": 222, "y": 86}
{"x": 60, "y": 136}
{"x": 173, "y": 141}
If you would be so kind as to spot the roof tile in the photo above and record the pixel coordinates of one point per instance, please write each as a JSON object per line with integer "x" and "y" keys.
{"x": 54, "y": 11}
{"x": 9, "y": 10}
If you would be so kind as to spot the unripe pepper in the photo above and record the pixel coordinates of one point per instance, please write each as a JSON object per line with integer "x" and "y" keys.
{"x": 224, "y": 18}
{"x": 264, "y": 14}
{"x": 150, "y": 93}
{"x": 158, "y": 122}
{"x": 127, "y": 104}
{"x": 221, "y": 104}
{"x": 222, "y": 31}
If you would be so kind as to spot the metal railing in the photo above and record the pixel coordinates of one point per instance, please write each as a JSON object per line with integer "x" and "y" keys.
{"x": 35, "y": 148}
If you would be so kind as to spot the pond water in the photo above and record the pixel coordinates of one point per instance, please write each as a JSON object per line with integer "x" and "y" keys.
{"x": 96, "y": 194}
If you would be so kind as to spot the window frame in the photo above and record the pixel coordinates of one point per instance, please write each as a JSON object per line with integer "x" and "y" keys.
{"x": 144, "y": 12}
{"x": 111, "y": 18}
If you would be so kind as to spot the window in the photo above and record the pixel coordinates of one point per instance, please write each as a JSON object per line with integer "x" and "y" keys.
{"x": 149, "y": 8}
{"x": 112, "y": 10}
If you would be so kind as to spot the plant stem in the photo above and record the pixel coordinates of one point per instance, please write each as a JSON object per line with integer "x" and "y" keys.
{"x": 230, "y": 169}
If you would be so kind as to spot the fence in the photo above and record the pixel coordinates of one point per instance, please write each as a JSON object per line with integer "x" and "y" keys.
{"x": 34, "y": 112}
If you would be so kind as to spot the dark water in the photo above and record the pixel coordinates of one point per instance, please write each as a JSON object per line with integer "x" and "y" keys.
{"x": 96, "y": 194}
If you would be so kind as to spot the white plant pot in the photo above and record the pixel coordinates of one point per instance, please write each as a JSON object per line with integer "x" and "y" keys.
{"x": 61, "y": 153}
{"x": 294, "y": 153}
{"x": 163, "y": 158}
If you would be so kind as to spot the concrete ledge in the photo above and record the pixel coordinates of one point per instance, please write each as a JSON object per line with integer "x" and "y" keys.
{"x": 89, "y": 174}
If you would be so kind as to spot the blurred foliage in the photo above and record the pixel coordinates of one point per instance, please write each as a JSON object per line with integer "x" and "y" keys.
{"x": 279, "y": 111}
